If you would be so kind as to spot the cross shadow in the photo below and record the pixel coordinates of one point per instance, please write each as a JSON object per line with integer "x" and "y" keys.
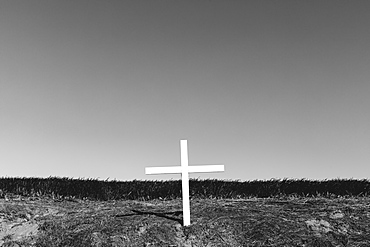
{"x": 167, "y": 215}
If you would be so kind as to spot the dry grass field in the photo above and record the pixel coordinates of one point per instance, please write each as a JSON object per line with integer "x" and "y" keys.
{"x": 285, "y": 221}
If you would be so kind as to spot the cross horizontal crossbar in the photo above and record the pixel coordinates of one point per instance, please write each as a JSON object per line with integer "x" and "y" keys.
{"x": 179, "y": 169}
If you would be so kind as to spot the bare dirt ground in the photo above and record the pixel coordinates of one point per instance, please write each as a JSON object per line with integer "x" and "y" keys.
{"x": 221, "y": 222}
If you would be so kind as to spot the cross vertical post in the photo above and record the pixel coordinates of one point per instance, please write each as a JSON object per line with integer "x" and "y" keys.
{"x": 184, "y": 169}
{"x": 185, "y": 181}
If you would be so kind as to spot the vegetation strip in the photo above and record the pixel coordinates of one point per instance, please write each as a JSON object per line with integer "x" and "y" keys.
{"x": 67, "y": 188}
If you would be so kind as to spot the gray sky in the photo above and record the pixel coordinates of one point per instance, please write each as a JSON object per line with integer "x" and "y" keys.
{"x": 270, "y": 89}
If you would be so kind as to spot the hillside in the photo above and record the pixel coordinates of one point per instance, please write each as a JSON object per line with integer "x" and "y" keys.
{"x": 73, "y": 212}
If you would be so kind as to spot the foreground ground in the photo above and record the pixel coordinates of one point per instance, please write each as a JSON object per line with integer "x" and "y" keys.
{"x": 227, "y": 222}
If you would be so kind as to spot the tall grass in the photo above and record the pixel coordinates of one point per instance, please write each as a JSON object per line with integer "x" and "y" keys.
{"x": 210, "y": 188}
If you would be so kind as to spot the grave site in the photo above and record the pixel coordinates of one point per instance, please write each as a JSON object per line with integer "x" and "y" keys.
{"x": 98, "y": 100}
{"x": 72, "y": 212}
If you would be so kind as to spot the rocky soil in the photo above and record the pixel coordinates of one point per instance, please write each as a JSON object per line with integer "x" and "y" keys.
{"x": 226, "y": 222}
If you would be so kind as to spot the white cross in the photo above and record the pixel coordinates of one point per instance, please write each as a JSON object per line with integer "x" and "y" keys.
{"x": 184, "y": 169}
